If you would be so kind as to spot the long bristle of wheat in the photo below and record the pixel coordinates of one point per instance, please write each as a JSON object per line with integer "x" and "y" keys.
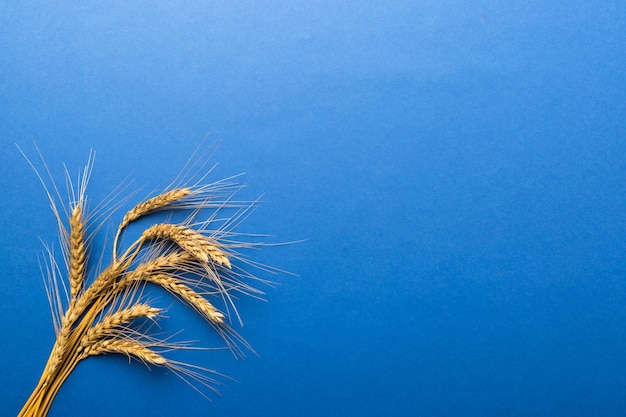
{"x": 77, "y": 251}
{"x": 189, "y": 240}
{"x": 113, "y": 323}
{"x": 153, "y": 204}
{"x": 126, "y": 347}
{"x": 188, "y": 295}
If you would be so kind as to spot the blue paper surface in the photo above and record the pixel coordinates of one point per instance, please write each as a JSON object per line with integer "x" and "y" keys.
{"x": 458, "y": 170}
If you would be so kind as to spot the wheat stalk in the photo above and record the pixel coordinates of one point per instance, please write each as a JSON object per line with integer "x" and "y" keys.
{"x": 105, "y": 316}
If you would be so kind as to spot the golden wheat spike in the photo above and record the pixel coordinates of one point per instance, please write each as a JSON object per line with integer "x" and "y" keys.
{"x": 77, "y": 251}
{"x": 153, "y": 204}
{"x": 191, "y": 297}
{"x": 111, "y": 323}
{"x": 130, "y": 348}
{"x": 189, "y": 240}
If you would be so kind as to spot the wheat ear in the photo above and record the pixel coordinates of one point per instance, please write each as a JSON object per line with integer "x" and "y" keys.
{"x": 77, "y": 251}
{"x": 187, "y": 294}
{"x": 189, "y": 240}
{"x": 111, "y": 324}
{"x": 130, "y": 348}
{"x": 153, "y": 204}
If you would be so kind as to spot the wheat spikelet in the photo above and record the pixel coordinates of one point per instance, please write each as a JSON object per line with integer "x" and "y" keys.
{"x": 112, "y": 322}
{"x": 77, "y": 253}
{"x": 187, "y": 294}
{"x": 153, "y": 204}
{"x": 126, "y": 347}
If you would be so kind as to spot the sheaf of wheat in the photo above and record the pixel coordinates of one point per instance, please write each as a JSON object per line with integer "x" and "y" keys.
{"x": 196, "y": 260}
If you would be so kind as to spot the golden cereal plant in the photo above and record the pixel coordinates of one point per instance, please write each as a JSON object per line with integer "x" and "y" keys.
{"x": 197, "y": 261}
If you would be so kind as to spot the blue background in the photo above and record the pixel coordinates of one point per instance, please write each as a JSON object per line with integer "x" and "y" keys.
{"x": 458, "y": 168}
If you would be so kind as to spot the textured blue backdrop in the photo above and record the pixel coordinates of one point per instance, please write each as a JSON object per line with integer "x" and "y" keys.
{"x": 458, "y": 168}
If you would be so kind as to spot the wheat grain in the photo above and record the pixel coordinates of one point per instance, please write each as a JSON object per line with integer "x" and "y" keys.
{"x": 127, "y": 347}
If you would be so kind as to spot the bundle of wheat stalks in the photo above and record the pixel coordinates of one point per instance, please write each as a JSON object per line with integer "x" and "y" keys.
{"x": 196, "y": 261}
